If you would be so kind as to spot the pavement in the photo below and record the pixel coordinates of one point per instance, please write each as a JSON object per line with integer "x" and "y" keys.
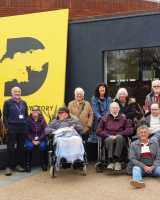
{"x": 70, "y": 185}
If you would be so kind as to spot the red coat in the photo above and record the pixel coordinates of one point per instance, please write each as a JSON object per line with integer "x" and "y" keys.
{"x": 119, "y": 125}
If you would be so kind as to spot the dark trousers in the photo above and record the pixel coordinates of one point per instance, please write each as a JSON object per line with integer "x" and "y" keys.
{"x": 114, "y": 147}
{"x": 15, "y": 148}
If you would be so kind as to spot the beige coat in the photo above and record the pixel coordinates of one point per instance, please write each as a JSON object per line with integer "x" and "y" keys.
{"x": 84, "y": 112}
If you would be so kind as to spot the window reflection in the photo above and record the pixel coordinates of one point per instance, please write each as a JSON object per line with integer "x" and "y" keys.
{"x": 133, "y": 69}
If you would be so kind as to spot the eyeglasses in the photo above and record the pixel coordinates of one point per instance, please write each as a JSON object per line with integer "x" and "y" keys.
{"x": 156, "y": 86}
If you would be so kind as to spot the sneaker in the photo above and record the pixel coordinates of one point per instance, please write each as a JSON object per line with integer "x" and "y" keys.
{"x": 19, "y": 169}
{"x": 137, "y": 184}
{"x": 8, "y": 171}
{"x": 110, "y": 166}
{"x": 117, "y": 166}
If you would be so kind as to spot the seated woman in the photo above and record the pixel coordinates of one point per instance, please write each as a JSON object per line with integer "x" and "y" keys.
{"x": 83, "y": 111}
{"x": 144, "y": 156}
{"x": 100, "y": 103}
{"x": 36, "y": 137}
{"x": 113, "y": 128}
{"x": 64, "y": 120}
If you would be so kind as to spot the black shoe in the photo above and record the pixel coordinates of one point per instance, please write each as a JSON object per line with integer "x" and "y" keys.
{"x": 64, "y": 163}
{"x": 28, "y": 168}
{"x": 78, "y": 164}
{"x": 44, "y": 167}
{"x": 63, "y": 160}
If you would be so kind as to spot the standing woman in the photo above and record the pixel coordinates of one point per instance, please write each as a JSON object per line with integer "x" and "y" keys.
{"x": 100, "y": 103}
{"x": 36, "y": 137}
{"x": 15, "y": 113}
{"x": 83, "y": 111}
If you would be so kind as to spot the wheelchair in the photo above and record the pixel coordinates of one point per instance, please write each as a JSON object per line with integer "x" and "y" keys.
{"x": 102, "y": 160}
{"x": 78, "y": 164}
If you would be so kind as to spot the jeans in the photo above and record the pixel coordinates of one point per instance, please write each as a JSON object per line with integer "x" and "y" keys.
{"x": 138, "y": 173}
{"x": 29, "y": 145}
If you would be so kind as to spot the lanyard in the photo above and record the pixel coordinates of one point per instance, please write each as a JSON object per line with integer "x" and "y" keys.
{"x": 19, "y": 108}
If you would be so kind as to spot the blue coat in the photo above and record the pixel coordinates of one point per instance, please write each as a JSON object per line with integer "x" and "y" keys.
{"x": 100, "y": 108}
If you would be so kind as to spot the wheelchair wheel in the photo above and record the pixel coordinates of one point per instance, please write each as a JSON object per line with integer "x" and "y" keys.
{"x": 84, "y": 171}
{"x": 52, "y": 172}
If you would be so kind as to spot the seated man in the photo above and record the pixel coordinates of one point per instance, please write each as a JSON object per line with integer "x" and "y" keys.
{"x": 153, "y": 121}
{"x": 113, "y": 128}
{"x": 144, "y": 156}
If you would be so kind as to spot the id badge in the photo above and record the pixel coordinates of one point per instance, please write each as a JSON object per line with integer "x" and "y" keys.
{"x": 145, "y": 149}
{"x": 36, "y": 138}
{"x": 21, "y": 117}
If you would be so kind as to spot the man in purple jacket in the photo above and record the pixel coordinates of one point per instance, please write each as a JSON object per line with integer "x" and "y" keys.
{"x": 113, "y": 128}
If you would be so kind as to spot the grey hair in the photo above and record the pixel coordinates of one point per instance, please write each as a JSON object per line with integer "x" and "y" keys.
{"x": 121, "y": 90}
{"x": 142, "y": 127}
{"x": 157, "y": 81}
{"x": 79, "y": 90}
{"x": 114, "y": 104}
{"x": 15, "y": 88}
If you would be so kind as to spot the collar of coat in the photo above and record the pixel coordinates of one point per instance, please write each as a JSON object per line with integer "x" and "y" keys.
{"x": 138, "y": 142}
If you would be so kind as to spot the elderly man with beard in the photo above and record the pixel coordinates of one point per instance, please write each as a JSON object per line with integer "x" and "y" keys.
{"x": 114, "y": 129}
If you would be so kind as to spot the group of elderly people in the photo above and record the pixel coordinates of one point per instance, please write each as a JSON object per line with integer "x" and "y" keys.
{"x": 112, "y": 120}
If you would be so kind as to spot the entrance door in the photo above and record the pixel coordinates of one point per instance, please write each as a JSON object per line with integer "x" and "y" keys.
{"x": 133, "y": 69}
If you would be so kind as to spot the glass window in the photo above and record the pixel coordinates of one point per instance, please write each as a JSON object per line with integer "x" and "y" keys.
{"x": 133, "y": 69}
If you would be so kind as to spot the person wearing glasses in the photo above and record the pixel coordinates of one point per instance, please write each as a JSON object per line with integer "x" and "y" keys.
{"x": 153, "y": 96}
{"x": 36, "y": 137}
{"x": 15, "y": 114}
{"x": 153, "y": 121}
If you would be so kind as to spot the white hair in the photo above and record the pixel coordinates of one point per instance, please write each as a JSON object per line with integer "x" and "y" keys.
{"x": 15, "y": 88}
{"x": 114, "y": 104}
{"x": 79, "y": 90}
{"x": 120, "y": 91}
{"x": 153, "y": 105}
{"x": 155, "y": 82}
{"x": 142, "y": 127}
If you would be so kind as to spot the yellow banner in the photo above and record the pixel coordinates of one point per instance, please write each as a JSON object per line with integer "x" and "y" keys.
{"x": 33, "y": 57}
